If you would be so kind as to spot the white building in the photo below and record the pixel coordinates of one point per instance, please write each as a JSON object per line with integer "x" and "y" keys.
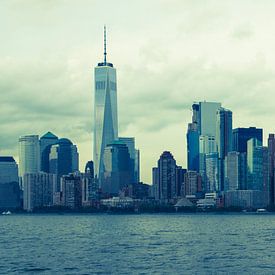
{"x": 105, "y": 110}
{"x": 38, "y": 190}
{"x": 29, "y": 155}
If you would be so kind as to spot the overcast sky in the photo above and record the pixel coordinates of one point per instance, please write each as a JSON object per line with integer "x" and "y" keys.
{"x": 168, "y": 54}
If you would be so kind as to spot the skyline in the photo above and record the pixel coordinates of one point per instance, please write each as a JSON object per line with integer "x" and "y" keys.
{"x": 170, "y": 69}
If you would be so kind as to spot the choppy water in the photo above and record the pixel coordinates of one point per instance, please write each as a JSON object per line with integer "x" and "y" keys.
{"x": 137, "y": 244}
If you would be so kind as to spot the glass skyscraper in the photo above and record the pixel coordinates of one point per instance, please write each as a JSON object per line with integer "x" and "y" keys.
{"x": 105, "y": 110}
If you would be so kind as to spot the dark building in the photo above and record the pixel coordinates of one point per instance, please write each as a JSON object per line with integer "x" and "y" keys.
{"x": 242, "y": 135}
{"x": 46, "y": 141}
{"x": 180, "y": 172}
{"x": 90, "y": 186}
{"x": 193, "y": 162}
{"x": 117, "y": 168}
{"x": 89, "y": 168}
{"x": 271, "y": 168}
{"x": 9, "y": 184}
{"x": 62, "y": 158}
{"x": 71, "y": 191}
{"x": 165, "y": 178}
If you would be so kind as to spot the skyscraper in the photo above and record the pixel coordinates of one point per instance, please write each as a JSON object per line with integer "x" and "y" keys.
{"x": 235, "y": 171}
{"x": 63, "y": 159}
{"x": 29, "y": 155}
{"x": 271, "y": 167}
{"x": 257, "y": 166}
{"x": 165, "y": 177}
{"x": 105, "y": 110}
{"x": 9, "y": 186}
{"x": 45, "y": 147}
{"x": 203, "y": 124}
{"x": 117, "y": 169}
{"x": 223, "y": 140}
{"x": 207, "y": 145}
{"x": 193, "y": 147}
{"x": 130, "y": 143}
{"x": 242, "y": 135}
{"x": 224, "y": 132}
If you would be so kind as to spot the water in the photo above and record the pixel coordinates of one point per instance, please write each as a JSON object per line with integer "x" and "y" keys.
{"x": 137, "y": 244}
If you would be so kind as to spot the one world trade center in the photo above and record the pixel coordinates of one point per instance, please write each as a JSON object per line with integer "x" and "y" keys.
{"x": 105, "y": 110}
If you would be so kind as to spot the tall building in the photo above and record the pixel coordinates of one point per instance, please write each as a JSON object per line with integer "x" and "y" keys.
{"x": 155, "y": 187}
{"x": 235, "y": 171}
{"x": 193, "y": 147}
{"x": 223, "y": 140}
{"x": 9, "y": 183}
{"x": 46, "y": 141}
{"x": 271, "y": 167}
{"x": 180, "y": 172}
{"x": 208, "y": 117}
{"x": 224, "y": 132}
{"x": 257, "y": 166}
{"x": 29, "y": 155}
{"x": 105, "y": 110}
{"x": 38, "y": 190}
{"x": 165, "y": 177}
{"x": 71, "y": 190}
{"x": 90, "y": 188}
{"x": 242, "y": 135}
{"x": 117, "y": 168}
{"x": 203, "y": 124}
{"x": 212, "y": 172}
{"x": 137, "y": 165}
{"x": 63, "y": 159}
{"x": 192, "y": 183}
{"x": 207, "y": 145}
{"x": 134, "y": 157}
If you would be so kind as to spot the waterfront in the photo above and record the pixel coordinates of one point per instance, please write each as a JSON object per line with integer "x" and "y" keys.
{"x": 137, "y": 244}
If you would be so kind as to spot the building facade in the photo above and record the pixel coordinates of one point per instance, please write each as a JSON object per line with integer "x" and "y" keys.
{"x": 9, "y": 183}
{"x": 117, "y": 168}
{"x": 29, "y": 155}
{"x": 38, "y": 190}
{"x": 242, "y": 135}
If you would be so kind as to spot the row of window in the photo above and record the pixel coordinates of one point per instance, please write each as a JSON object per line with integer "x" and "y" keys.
{"x": 101, "y": 85}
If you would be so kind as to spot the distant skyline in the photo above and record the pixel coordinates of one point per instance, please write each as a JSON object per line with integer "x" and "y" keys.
{"x": 168, "y": 54}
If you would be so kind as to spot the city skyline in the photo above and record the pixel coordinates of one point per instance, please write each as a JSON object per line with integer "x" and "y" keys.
{"x": 61, "y": 70}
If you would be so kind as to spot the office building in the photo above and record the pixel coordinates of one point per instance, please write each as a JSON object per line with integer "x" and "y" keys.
{"x": 242, "y": 135}
{"x": 38, "y": 190}
{"x": 165, "y": 177}
{"x": 29, "y": 155}
{"x": 193, "y": 147}
{"x": 212, "y": 172}
{"x": 235, "y": 171}
{"x": 271, "y": 168}
{"x": 134, "y": 157}
{"x": 46, "y": 141}
{"x": 117, "y": 168}
{"x": 245, "y": 199}
{"x": 257, "y": 167}
{"x": 105, "y": 110}
{"x": 71, "y": 191}
{"x": 63, "y": 159}
{"x": 207, "y": 145}
{"x": 192, "y": 183}
{"x": 9, "y": 184}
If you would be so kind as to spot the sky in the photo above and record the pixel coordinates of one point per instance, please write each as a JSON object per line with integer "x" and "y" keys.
{"x": 168, "y": 54}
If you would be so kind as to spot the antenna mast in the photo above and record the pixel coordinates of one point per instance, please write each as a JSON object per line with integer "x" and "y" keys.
{"x": 105, "y": 52}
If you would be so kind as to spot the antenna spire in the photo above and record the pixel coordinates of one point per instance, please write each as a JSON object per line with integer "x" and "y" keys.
{"x": 105, "y": 52}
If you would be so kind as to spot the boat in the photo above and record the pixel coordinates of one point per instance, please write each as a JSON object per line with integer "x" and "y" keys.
{"x": 6, "y": 213}
{"x": 261, "y": 210}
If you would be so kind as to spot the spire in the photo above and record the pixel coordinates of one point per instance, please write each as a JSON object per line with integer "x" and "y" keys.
{"x": 105, "y": 53}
